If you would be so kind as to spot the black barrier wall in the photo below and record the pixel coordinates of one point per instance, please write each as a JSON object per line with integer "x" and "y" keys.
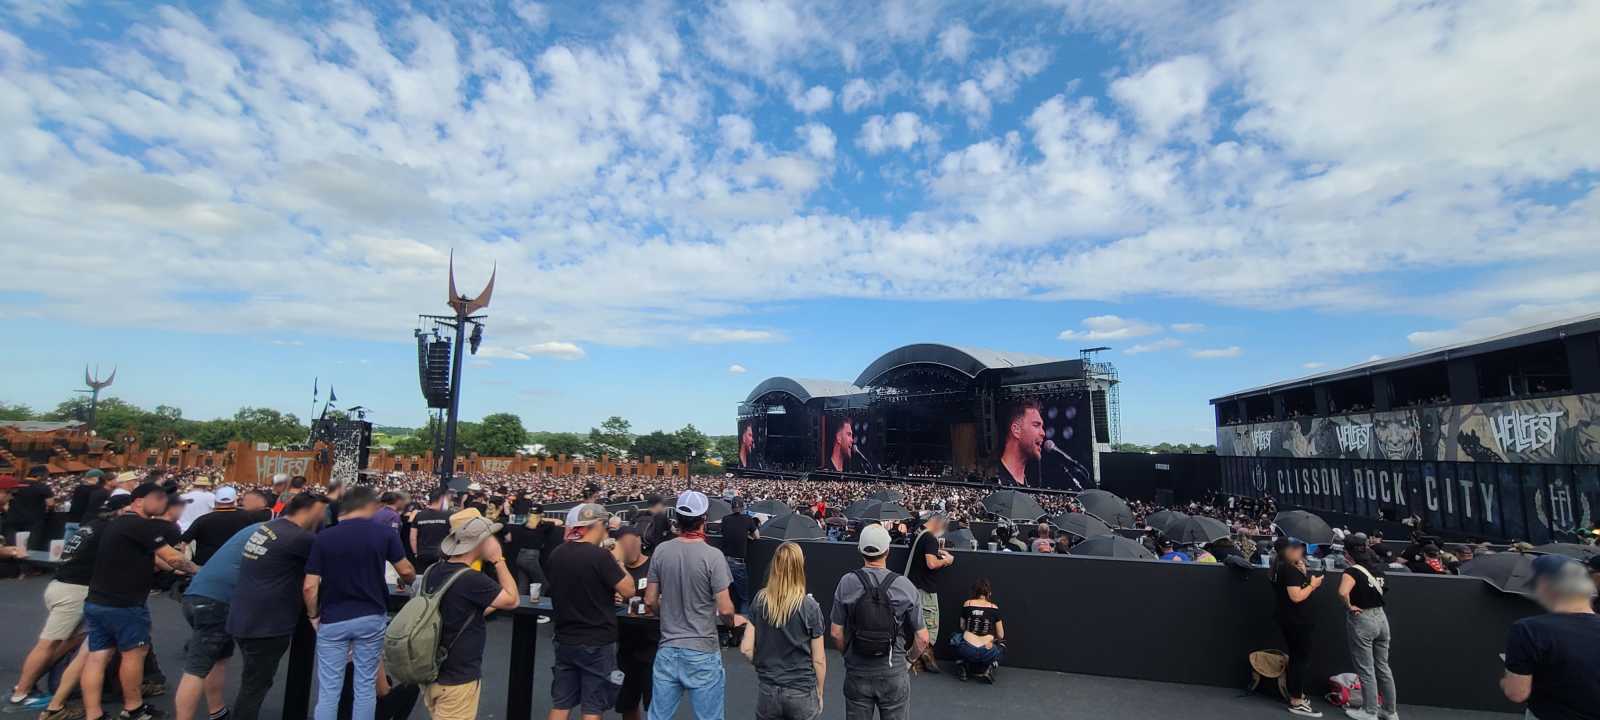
{"x": 1197, "y": 623}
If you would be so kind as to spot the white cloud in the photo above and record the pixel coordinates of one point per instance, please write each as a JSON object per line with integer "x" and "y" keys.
{"x": 734, "y": 335}
{"x": 1232, "y": 351}
{"x": 1168, "y": 93}
{"x": 1188, "y": 327}
{"x": 1374, "y": 357}
{"x": 555, "y": 349}
{"x": 855, "y": 95}
{"x": 495, "y": 351}
{"x": 289, "y": 343}
{"x": 901, "y": 132}
{"x": 955, "y": 42}
{"x": 736, "y": 369}
{"x": 1512, "y": 318}
{"x": 817, "y": 99}
{"x": 1314, "y": 365}
{"x": 1154, "y": 346}
{"x": 1109, "y": 327}
{"x": 536, "y": 15}
{"x": 818, "y": 139}
{"x": 736, "y": 132}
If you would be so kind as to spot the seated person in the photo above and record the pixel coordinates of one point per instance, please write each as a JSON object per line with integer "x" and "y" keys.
{"x": 1006, "y": 540}
{"x": 981, "y": 643}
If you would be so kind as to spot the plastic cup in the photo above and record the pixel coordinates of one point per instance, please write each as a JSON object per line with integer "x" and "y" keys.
{"x": 22, "y": 539}
{"x": 56, "y": 548}
{"x": 533, "y": 591}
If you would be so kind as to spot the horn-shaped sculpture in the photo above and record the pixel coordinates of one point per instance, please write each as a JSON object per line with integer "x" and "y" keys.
{"x": 95, "y": 384}
{"x": 463, "y": 305}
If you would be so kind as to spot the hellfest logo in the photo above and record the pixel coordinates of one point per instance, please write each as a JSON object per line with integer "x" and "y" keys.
{"x": 1517, "y": 431}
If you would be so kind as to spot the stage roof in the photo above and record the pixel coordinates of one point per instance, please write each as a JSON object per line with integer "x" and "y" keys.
{"x": 967, "y": 361}
{"x": 803, "y": 389}
{"x": 1532, "y": 334}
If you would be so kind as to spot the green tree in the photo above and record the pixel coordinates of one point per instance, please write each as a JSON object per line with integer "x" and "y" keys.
{"x": 613, "y": 437}
{"x": 659, "y": 446}
{"x": 254, "y": 424}
{"x": 17, "y": 411}
{"x": 414, "y": 444}
{"x": 725, "y": 448}
{"x": 560, "y": 443}
{"x": 501, "y": 434}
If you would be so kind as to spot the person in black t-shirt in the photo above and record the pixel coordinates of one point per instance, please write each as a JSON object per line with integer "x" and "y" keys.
{"x": 76, "y": 569}
{"x": 428, "y": 528}
{"x": 82, "y": 507}
{"x": 29, "y": 509}
{"x": 209, "y": 531}
{"x": 528, "y": 546}
{"x": 636, "y": 642}
{"x": 1553, "y": 660}
{"x": 454, "y": 694}
{"x": 130, "y": 550}
{"x": 1362, "y": 587}
{"x": 926, "y": 559}
{"x": 585, "y": 581}
{"x": 267, "y": 600}
{"x": 738, "y": 529}
{"x": 982, "y": 642}
{"x": 1293, "y": 585}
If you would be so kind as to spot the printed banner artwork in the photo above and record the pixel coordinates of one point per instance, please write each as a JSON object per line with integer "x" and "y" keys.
{"x": 269, "y": 465}
{"x": 1563, "y": 429}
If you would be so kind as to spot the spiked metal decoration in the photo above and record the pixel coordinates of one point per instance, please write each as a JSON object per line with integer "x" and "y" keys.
{"x": 463, "y": 305}
{"x": 95, "y": 386}
{"x": 465, "y": 308}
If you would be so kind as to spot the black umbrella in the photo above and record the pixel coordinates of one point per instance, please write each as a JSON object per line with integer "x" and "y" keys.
{"x": 1112, "y": 546}
{"x": 1082, "y": 525}
{"x": 1575, "y": 551}
{"x": 1509, "y": 572}
{"x": 770, "y": 507}
{"x": 875, "y": 510}
{"x": 961, "y": 539}
{"x": 792, "y": 526}
{"x": 893, "y": 496}
{"x": 1197, "y": 530}
{"x": 717, "y": 509}
{"x": 1304, "y": 526}
{"x": 1108, "y": 507}
{"x": 1013, "y": 505}
{"x": 1160, "y": 519}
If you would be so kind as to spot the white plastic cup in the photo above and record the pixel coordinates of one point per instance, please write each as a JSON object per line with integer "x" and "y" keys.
{"x": 992, "y": 545}
{"x": 22, "y": 539}
{"x": 533, "y": 591}
{"x": 57, "y": 547}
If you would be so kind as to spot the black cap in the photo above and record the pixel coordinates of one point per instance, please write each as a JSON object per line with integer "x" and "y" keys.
{"x": 628, "y": 530}
{"x": 116, "y": 502}
{"x": 146, "y": 489}
{"x": 536, "y": 508}
{"x": 38, "y": 471}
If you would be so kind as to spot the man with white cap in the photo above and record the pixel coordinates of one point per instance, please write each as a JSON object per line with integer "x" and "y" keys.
{"x": 583, "y": 580}
{"x": 454, "y": 694}
{"x": 209, "y": 531}
{"x": 872, "y": 607}
{"x": 200, "y": 501}
{"x": 688, "y": 589}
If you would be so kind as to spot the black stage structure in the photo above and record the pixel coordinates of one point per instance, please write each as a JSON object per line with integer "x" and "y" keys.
{"x": 939, "y": 411}
{"x": 1497, "y": 438}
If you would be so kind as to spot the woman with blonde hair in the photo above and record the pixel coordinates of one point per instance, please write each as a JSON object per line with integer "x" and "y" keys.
{"x": 784, "y": 639}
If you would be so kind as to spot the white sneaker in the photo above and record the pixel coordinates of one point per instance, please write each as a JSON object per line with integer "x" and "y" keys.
{"x": 1304, "y": 709}
{"x": 544, "y": 619}
{"x": 1360, "y": 714}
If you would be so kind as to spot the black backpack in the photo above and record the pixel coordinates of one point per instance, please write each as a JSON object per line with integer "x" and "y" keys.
{"x": 872, "y": 620}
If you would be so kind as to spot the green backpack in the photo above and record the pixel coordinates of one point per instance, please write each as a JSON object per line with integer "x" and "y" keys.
{"x": 412, "y": 652}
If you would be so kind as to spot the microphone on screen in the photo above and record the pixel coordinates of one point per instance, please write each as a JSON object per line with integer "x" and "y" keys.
{"x": 866, "y": 462}
{"x": 1075, "y": 469}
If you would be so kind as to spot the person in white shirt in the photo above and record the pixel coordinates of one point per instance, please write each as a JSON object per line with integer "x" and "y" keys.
{"x": 201, "y": 501}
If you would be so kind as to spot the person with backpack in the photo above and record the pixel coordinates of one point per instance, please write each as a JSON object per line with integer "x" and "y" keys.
{"x": 436, "y": 641}
{"x": 784, "y": 640}
{"x": 873, "y": 608}
{"x": 688, "y": 589}
{"x": 1367, "y": 628}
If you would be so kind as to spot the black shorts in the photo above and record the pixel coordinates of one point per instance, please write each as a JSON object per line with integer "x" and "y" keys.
{"x": 210, "y": 642}
{"x": 586, "y": 676}
{"x": 636, "y": 682}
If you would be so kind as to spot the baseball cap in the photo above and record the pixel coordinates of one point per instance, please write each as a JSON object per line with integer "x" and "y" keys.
{"x": 874, "y": 540}
{"x": 1548, "y": 565}
{"x": 117, "y": 501}
{"x": 146, "y": 489}
{"x": 95, "y": 473}
{"x": 587, "y": 514}
{"x": 692, "y": 503}
{"x": 227, "y": 495}
{"x": 280, "y": 479}
{"x": 1355, "y": 540}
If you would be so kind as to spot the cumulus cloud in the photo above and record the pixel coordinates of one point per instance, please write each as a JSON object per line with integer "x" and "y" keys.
{"x": 554, "y": 349}
{"x": 856, "y": 94}
{"x": 1154, "y": 346}
{"x": 1168, "y": 93}
{"x": 814, "y": 100}
{"x": 1188, "y": 327}
{"x": 1232, "y": 351}
{"x": 818, "y": 139}
{"x": 495, "y": 351}
{"x": 736, "y": 369}
{"x": 1109, "y": 327}
{"x": 880, "y": 134}
{"x": 536, "y": 15}
{"x": 955, "y": 42}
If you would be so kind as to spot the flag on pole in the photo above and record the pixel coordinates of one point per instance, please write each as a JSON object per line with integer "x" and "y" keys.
{"x": 313, "y": 391}
{"x": 332, "y": 398}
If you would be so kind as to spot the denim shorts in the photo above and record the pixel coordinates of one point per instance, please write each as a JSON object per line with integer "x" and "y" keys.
{"x": 123, "y": 628}
{"x": 210, "y": 643}
{"x": 586, "y": 676}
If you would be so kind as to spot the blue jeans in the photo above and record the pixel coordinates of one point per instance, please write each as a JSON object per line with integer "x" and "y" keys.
{"x": 361, "y": 641}
{"x": 740, "y": 589}
{"x": 678, "y": 670}
{"x": 974, "y": 655}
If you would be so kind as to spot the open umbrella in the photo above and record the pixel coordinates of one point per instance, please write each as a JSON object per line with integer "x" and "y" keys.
{"x": 875, "y": 510}
{"x": 1112, "y": 546}
{"x": 961, "y": 539}
{"x": 792, "y": 526}
{"x": 770, "y": 507}
{"x": 1080, "y": 524}
{"x": 1160, "y": 519}
{"x": 1508, "y": 571}
{"x": 717, "y": 509}
{"x": 1305, "y": 526}
{"x": 1197, "y": 530}
{"x": 886, "y": 495}
{"x": 1575, "y": 551}
{"x": 1013, "y": 505}
{"x": 1108, "y": 507}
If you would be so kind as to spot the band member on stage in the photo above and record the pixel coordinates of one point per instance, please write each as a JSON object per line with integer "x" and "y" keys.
{"x": 747, "y": 444}
{"x": 1019, "y": 460}
{"x": 842, "y": 459}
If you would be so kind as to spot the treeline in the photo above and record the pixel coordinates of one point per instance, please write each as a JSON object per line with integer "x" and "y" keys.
{"x": 1166, "y": 448}
{"x": 114, "y": 416}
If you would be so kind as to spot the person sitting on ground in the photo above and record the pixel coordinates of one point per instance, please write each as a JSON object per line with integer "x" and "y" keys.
{"x": 981, "y": 643}
{"x": 784, "y": 640}
{"x": 1553, "y": 660}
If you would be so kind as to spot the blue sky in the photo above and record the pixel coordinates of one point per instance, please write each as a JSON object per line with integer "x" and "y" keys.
{"x": 227, "y": 200}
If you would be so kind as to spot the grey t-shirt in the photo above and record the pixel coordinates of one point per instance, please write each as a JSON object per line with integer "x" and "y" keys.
{"x": 783, "y": 654}
{"x": 907, "y": 603}
{"x": 690, "y": 574}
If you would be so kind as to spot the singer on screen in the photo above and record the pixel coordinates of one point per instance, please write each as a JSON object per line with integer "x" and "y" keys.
{"x": 747, "y": 444}
{"x": 843, "y": 457}
{"x": 1024, "y": 430}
